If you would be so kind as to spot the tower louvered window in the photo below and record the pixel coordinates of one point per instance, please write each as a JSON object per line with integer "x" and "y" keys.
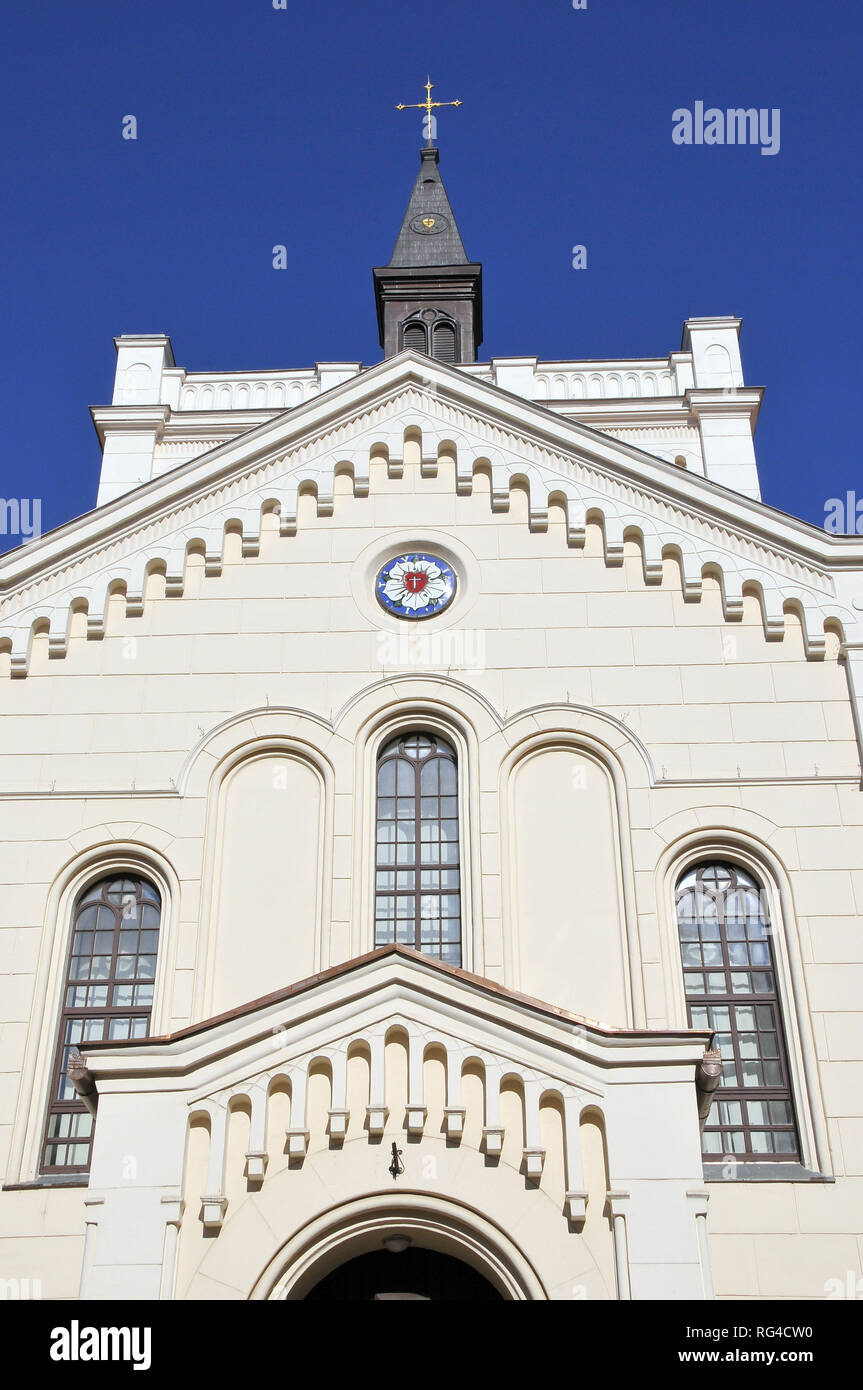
{"x": 415, "y": 337}
{"x": 417, "y": 870}
{"x": 108, "y": 994}
{"x": 730, "y": 981}
{"x": 443, "y": 341}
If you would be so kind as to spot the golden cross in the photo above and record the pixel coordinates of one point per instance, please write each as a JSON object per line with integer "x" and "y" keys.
{"x": 426, "y": 106}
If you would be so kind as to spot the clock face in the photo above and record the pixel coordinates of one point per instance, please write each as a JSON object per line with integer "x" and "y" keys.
{"x": 429, "y": 225}
{"x": 415, "y": 585}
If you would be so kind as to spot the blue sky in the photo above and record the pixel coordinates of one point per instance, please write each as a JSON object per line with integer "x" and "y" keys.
{"x": 259, "y": 126}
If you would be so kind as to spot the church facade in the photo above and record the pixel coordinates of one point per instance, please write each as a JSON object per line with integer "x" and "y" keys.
{"x": 430, "y": 834}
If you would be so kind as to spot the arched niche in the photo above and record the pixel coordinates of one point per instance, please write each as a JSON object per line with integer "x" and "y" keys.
{"x": 566, "y": 888}
{"x": 267, "y": 877}
{"x": 718, "y": 370}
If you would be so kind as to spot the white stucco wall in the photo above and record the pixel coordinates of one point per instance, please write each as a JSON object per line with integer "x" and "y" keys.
{"x": 696, "y": 730}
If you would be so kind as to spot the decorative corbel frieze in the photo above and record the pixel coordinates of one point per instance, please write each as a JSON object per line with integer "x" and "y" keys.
{"x": 454, "y": 1116}
{"x": 298, "y": 1142}
{"x": 376, "y": 1118}
{"x": 415, "y": 1118}
{"x": 778, "y": 574}
{"x": 256, "y": 1165}
{"x": 492, "y": 1139}
{"x": 534, "y": 1160}
{"x": 213, "y": 1208}
{"x": 338, "y": 1123}
{"x": 575, "y": 1206}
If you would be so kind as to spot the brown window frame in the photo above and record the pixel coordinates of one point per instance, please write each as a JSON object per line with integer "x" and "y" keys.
{"x": 395, "y": 751}
{"x": 746, "y": 952}
{"x": 106, "y": 897}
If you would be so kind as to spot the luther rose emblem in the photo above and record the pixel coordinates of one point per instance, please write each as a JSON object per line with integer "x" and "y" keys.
{"x": 415, "y": 586}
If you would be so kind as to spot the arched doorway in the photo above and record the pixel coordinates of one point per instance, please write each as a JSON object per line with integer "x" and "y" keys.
{"x": 400, "y": 1274}
{"x": 449, "y": 1252}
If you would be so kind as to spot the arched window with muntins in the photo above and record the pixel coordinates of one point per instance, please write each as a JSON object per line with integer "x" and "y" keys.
{"x": 443, "y": 342}
{"x": 107, "y": 994}
{"x": 417, "y": 868}
{"x": 414, "y": 336}
{"x": 730, "y": 982}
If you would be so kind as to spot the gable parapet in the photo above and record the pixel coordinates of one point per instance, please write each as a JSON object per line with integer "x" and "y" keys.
{"x": 690, "y": 407}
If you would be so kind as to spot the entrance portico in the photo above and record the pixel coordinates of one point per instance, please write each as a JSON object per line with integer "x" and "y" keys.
{"x": 554, "y": 1159}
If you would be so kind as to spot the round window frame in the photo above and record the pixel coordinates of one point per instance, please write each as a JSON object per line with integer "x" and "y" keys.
{"x": 416, "y": 616}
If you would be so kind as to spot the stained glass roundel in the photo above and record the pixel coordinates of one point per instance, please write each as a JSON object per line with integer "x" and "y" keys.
{"x": 415, "y": 585}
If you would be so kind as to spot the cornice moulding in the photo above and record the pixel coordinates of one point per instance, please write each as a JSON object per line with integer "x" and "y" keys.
{"x": 725, "y": 401}
{"x": 122, "y": 419}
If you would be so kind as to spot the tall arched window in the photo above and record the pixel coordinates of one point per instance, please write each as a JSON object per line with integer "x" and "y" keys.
{"x": 417, "y": 871}
{"x": 730, "y": 981}
{"x": 108, "y": 993}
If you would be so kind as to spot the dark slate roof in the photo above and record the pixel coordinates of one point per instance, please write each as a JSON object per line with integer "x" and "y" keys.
{"x": 429, "y": 200}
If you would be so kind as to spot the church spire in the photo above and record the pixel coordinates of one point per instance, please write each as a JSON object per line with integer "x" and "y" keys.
{"x": 429, "y": 235}
{"x": 429, "y": 296}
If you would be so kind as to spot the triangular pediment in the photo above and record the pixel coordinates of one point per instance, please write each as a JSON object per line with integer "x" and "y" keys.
{"x": 392, "y": 987}
{"x": 593, "y": 476}
{"x": 391, "y": 1011}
